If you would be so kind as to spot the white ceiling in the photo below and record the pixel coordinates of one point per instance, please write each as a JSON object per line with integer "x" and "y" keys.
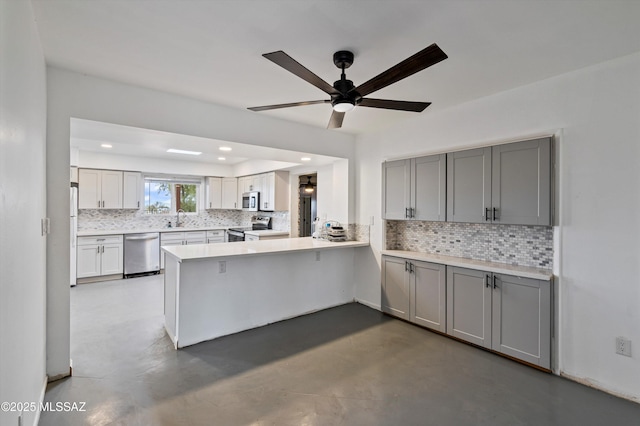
{"x": 211, "y": 50}
{"x": 87, "y": 135}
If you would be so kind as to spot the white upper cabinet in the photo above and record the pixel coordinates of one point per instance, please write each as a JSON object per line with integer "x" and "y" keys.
{"x": 99, "y": 189}
{"x": 275, "y": 191}
{"x": 132, "y": 190}
{"x": 230, "y": 193}
{"x": 214, "y": 193}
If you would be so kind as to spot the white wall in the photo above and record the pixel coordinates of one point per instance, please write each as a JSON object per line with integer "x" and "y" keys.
{"x": 596, "y": 112}
{"x": 75, "y": 95}
{"x": 22, "y": 205}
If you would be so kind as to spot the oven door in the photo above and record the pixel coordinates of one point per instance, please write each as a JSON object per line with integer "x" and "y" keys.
{"x": 234, "y": 236}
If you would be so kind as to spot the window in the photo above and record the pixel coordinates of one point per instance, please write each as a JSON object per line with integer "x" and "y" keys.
{"x": 168, "y": 195}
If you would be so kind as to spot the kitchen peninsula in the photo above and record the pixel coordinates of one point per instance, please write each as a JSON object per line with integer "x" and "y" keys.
{"x": 212, "y": 290}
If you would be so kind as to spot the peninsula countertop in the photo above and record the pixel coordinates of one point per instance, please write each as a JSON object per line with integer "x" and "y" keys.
{"x": 253, "y": 248}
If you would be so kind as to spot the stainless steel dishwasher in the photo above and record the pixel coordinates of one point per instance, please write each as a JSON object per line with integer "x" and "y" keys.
{"x": 141, "y": 253}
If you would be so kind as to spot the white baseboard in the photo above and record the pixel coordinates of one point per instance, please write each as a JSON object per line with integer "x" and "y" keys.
{"x": 369, "y": 304}
{"x": 36, "y": 419}
{"x": 595, "y": 385}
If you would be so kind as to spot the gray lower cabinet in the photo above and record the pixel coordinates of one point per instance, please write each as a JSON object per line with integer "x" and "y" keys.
{"x": 428, "y": 295}
{"x": 395, "y": 287}
{"x": 507, "y": 314}
{"x": 507, "y": 184}
{"x": 414, "y": 291}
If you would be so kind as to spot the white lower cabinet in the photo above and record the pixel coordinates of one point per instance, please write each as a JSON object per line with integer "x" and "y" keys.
{"x": 504, "y": 313}
{"x": 216, "y": 236}
{"x": 181, "y": 238}
{"x": 99, "y": 255}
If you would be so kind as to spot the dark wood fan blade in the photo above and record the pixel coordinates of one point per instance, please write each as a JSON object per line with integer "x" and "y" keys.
{"x": 268, "y": 107}
{"x": 421, "y": 60}
{"x": 294, "y": 67}
{"x": 335, "y": 122}
{"x": 397, "y": 105}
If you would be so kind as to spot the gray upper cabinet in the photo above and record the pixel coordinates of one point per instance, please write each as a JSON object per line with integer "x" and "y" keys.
{"x": 395, "y": 287}
{"x": 396, "y": 181}
{"x": 468, "y": 185}
{"x": 508, "y": 184}
{"x": 521, "y": 183}
{"x": 522, "y": 318}
{"x": 414, "y": 188}
{"x": 469, "y": 305}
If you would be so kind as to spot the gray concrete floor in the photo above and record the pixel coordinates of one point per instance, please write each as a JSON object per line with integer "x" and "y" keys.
{"x": 348, "y": 365}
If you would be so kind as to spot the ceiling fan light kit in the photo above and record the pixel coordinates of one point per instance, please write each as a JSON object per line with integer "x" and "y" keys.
{"x": 344, "y": 95}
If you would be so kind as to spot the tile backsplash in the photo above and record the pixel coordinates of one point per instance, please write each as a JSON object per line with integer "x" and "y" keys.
{"x": 137, "y": 219}
{"x": 512, "y": 244}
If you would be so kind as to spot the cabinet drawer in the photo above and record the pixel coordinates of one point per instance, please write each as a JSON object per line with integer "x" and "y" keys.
{"x": 168, "y": 237}
{"x": 194, "y": 237}
{"x": 100, "y": 239}
{"x": 215, "y": 240}
{"x": 216, "y": 233}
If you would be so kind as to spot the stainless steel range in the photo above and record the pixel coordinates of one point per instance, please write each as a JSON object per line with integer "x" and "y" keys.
{"x": 257, "y": 223}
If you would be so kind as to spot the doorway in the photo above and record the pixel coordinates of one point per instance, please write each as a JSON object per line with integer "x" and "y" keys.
{"x": 308, "y": 210}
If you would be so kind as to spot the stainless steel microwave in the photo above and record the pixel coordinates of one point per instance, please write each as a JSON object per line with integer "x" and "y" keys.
{"x": 251, "y": 201}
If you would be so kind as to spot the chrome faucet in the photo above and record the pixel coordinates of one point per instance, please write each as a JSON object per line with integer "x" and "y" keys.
{"x": 178, "y": 217}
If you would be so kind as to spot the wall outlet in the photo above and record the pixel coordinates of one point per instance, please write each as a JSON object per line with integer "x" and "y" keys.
{"x": 222, "y": 267}
{"x": 623, "y": 346}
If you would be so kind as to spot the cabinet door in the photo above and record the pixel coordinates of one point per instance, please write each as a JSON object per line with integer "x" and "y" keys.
{"x": 195, "y": 237}
{"x": 112, "y": 258}
{"x": 395, "y": 287}
{"x": 88, "y": 261}
{"x": 521, "y": 183}
{"x": 168, "y": 242}
{"x": 131, "y": 189}
{"x": 428, "y": 300}
{"x": 469, "y": 305}
{"x": 396, "y": 181}
{"x": 428, "y": 187}
{"x": 111, "y": 189}
{"x": 268, "y": 192}
{"x": 89, "y": 189}
{"x": 214, "y": 193}
{"x": 522, "y": 319}
{"x": 469, "y": 186}
{"x": 229, "y": 193}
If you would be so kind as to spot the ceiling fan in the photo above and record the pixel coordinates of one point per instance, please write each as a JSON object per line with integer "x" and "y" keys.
{"x": 344, "y": 95}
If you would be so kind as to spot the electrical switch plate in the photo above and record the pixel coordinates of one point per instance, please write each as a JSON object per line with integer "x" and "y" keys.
{"x": 623, "y": 346}
{"x": 371, "y": 221}
{"x": 222, "y": 267}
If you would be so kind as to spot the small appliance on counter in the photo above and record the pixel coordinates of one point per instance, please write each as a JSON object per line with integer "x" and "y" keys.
{"x": 331, "y": 230}
{"x": 258, "y": 223}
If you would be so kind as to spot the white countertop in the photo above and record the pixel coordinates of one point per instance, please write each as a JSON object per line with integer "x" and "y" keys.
{"x": 260, "y": 247}
{"x": 266, "y": 233}
{"x": 92, "y": 232}
{"x": 501, "y": 268}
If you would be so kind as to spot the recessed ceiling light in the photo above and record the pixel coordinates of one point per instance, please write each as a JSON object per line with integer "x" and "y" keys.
{"x": 181, "y": 151}
{"x": 221, "y": 158}
{"x": 106, "y": 145}
{"x": 224, "y": 148}
{"x": 306, "y": 159}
